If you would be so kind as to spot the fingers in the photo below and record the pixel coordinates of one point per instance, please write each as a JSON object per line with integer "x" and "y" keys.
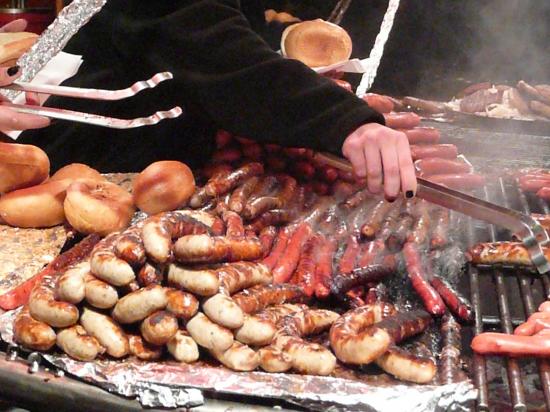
{"x": 12, "y": 120}
{"x": 353, "y": 151}
{"x": 390, "y": 165}
{"x": 14, "y": 26}
{"x": 9, "y": 74}
{"x": 374, "y": 168}
{"x": 32, "y": 98}
{"x": 406, "y": 167}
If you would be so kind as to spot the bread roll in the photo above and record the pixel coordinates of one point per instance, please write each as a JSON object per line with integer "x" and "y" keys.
{"x": 163, "y": 186}
{"x": 22, "y": 166}
{"x": 101, "y": 207}
{"x": 316, "y": 43}
{"x": 35, "y": 207}
{"x": 76, "y": 171}
{"x": 13, "y": 45}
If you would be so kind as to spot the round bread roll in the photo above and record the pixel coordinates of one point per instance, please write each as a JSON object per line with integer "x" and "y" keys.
{"x": 13, "y": 45}
{"x": 316, "y": 43}
{"x": 162, "y": 186}
{"x": 76, "y": 171}
{"x": 101, "y": 207}
{"x": 22, "y": 166}
{"x": 35, "y": 207}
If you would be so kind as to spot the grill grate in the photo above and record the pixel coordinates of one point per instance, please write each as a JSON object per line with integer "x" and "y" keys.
{"x": 520, "y": 290}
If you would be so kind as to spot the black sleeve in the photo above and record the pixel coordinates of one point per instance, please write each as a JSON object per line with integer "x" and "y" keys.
{"x": 244, "y": 86}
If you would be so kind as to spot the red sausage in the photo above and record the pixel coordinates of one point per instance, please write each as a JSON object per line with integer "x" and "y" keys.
{"x": 321, "y": 188}
{"x": 343, "y": 84}
{"x": 253, "y": 151}
{"x": 402, "y": 120}
{"x": 378, "y": 102}
{"x": 227, "y": 154}
{"x": 323, "y": 272}
{"x": 267, "y": 237}
{"x": 457, "y": 181}
{"x": 223, "y": 138}
{"x": 287, "y": 264}
{"x": 347, "y": 262}
{"x": 276, "y": 252}
{"x": 534, "y": 185}
{"x": 276, "y": 163}
{"x": 431, "y": 299}
{"x": 512, "y": 345}
{"x": 544, "y": 193}
{"x": 328, "y": 174}
{"x": 422, "y": 135}
{"x": 304, "y": 170}
{"x": 446, "y": 151}
{"x": 436, "y": 166}
{"x": 371, "y": 252}
{"x": 305, "y": 271}
{"x": 454, "y": 300}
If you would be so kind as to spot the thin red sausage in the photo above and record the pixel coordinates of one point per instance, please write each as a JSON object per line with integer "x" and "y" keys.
{"x": 323, "y": 274}
{"x": 287, "y": 264}
{"x": 402, "y": 120}
{"x": 347, "y": 262}
{"x": 460, "y": 181}
{"x": 422, "y": 135}
{"x": 436, "y": 166}
{"x": 276, "y": 252}
{"x": 422, "y": 151}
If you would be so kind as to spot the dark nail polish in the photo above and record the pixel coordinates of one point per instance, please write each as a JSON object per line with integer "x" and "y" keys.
{"x": 13, "y": 70}
{"x": 409, "y": 194}
{"x": 390, "y": 199}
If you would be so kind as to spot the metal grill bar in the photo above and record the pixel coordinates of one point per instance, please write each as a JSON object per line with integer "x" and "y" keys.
{"x": 514, "y": 374}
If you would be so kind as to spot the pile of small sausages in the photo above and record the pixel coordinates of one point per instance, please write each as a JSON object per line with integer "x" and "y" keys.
{"x": 534, "y": 180}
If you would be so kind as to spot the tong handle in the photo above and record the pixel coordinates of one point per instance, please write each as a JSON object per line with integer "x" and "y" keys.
{"x": 91, "y": 94}
{"x": 95, "y": 119}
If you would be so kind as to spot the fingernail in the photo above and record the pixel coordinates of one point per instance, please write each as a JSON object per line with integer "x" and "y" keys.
{"x": 409, "y": 194}
{"x": 13, "y": 70}
{"x": 390, "y": 199}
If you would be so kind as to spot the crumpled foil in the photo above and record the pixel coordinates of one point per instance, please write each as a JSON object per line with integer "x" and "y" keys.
{"x": 173, "y": 384}
{"x": 54, "y": 39}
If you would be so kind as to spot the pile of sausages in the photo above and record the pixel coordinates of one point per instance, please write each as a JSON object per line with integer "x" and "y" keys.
{"x": 534, "y": 180}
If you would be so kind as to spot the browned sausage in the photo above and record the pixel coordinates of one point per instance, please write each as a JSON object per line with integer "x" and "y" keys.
{"x": 181, "y": 304}
{"x": 32, "y": 333}
{"x": 259, "y": 297}
{"x": 204, "y": 248}
{"x": 159, "y": 327}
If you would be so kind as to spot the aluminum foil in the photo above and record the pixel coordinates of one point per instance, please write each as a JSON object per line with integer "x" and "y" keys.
{"x": 54, "y": 38}
{"x": 172, "y": 384}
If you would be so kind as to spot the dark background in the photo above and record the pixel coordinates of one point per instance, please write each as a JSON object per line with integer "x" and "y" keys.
{"x": 438, "y": 46}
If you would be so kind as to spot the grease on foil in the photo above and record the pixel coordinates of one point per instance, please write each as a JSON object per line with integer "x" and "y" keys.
{"x": 172, "y": 384}
{"x": 54, "y": 39}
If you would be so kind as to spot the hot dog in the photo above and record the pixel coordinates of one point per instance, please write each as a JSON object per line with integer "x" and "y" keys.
{"x": 238, "y": 357}
{"x": 305, "y": 271}
{"x": 44, "y": 307}
{"x": 402, "y": 120}
{"x": 78, "y": 344}
{"x": 428, "y": 106}
{"x": 220, "y": 185}
{"x": 459, "y": 181}
{"x": 183, "y": 348}
{"x": 159, "y": 327}
{"x": 106, "y": 266}
{"x": 136, "y": 306}
{"x": 378, "y": 102}
{"x": 106, "y": 331}
{"x": 212, "y": 249}
{"x": 32, "y": 333}
{"x": 422, "y": 135}
{"x": 202, "y": 282}
{"x": 436, "y": 166}
{"x": 222, "y": 310}
{"x": 445, "y": 151}
{"x": 70, "y": 285}
{"x": 406, "y": 366}
{"x": 511, "y": 345}
{"x": 512, "y": 253}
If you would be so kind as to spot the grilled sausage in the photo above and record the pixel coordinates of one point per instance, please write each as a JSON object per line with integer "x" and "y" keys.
{"x": 428, "y": 106}
{"x": 233, "y": 223}
{"x": 278, "y": 249}
{"x": 435, "y": 166}
{"x": 457, "y": 303}
{"x": 510, "y": 253}
{"x": 238, "y": 357}
{"x": 237, "y": 276}
{"x": 287, "y": 264}
{"x": 150, "y": 275}
{"x": 208, "y": 334}
{"x": 242, "y": 193}
{"x": 259, "y": 297}
{"x": 78, "y": 344}
{"x": 341, "y": 283}
{"x": 459, "y": 181}
{"x": 407, "y": 367}
{"x": 422, "y": 135}
{"x": 381, "y": 104}
{"x": 32, "y": 333}
{"x": 222, "y": 310}
{"x": 323, "y": 271}
{"x": 204, "y": 248}
{"x": 159, "y": 327}
{"x": 136, "y": 306}
{"x": 106, "y": 331}
{"x": 99, "y": 294}
{"x": 511, "y": 345}
{"x": 70, "y": 285}
{"x": 142, "y": 349}
{"x": 445, "y": 151}
{"x": 44, "y": 307}
{"x": 274, "y": 360}
{"x": 440, "y": 231}
{"x": 181, "y": 304}
{"x": 129, "y": 246}
{"x": 220, "y": 185}
{"x": 402, "y": 120}
{"x": 374, "y": 219}
{"x": 183, "y": 348}
{"x": 203, "y": 282}
{"x": 106, "y": 266}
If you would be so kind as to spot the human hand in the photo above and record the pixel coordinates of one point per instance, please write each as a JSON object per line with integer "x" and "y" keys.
{"x": 382, "y": 156}
{"x": 14, "y": 26}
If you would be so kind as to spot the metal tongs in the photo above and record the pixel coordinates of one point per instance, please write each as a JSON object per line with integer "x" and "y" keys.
{"x": 93, "y": 94}
{"x": 531, "y": 233}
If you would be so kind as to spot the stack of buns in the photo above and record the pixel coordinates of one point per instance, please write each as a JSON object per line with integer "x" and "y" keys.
{"x": 13, "y": 45}
{"x": 80, "y": 195}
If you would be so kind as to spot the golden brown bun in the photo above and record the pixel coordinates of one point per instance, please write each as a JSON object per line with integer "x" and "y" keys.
{"x": 36, "y": 206}
{"x": 22, "y": 166}
{"x": 101, "y": 207}
{"x": 316, "y": 43}
{"x": 163, "y": 186}
{"x": 13, "y": 45}
{"x": 76, "y": 171}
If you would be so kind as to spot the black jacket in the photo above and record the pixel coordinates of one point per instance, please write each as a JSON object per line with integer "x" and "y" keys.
{"x": 225, "y": 76}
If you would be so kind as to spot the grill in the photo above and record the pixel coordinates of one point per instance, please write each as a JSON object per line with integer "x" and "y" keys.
{"x": 517, "y": 292}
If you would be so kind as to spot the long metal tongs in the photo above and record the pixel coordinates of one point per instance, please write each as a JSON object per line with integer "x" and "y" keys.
{"x": 93, "y": 94}
{"x": 531, "y": 233}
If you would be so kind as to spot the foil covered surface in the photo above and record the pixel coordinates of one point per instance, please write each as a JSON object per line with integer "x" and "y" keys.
{"x": 54, "y": 39}
{"x": 173, "y": 384}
